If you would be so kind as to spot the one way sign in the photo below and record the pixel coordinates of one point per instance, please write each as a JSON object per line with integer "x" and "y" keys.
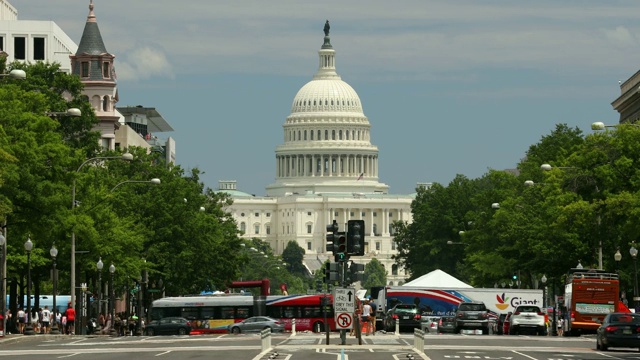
{"x": 344, "y": 302}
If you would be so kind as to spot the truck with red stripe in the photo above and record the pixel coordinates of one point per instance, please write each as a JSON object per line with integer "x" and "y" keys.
{"x": 435, "y": 301}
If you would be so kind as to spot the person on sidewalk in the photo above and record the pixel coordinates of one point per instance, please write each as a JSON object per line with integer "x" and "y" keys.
{"x": 366, "y": 314}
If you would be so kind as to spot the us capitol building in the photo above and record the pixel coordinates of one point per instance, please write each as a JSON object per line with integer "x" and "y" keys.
{"x": 327, "y": 169}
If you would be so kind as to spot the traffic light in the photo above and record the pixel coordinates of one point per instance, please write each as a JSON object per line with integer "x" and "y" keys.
{"x": 515, "y": 275}
{"x": 341, "y": 247}
{"x": 355, "y": 273}
{"x": 331, "y": 273}
{"x": 355, "y": 237}
{"x": 332, "y": 237}
{"x": 318, "y": 286}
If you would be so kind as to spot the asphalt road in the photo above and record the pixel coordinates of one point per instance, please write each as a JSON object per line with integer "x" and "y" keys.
{"x": 306, "y": 346}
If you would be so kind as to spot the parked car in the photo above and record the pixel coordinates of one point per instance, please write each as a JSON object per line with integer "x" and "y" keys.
{"x": 429, "y": 323}
{"x": 407, "y": 314}
{"x": 528, "y": 318}
{"x": 168, "y": 326}
{"x": 447, "y": 324}
{"x": 506, "y": 323}
{"x": 256, "y": 323}
{"x": 473, "y": 315}
{"x": 619, "y": 330}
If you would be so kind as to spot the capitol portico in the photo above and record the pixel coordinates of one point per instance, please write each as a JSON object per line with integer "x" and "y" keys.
{"x": 327, "y": 169}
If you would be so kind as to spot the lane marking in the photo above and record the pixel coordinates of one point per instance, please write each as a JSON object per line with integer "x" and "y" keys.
{"x": 525, "y": 355}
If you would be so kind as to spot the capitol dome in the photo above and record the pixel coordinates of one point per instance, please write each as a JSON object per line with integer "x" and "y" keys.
{"x": 322, "y": 95}
{"x": 327, "y": 139}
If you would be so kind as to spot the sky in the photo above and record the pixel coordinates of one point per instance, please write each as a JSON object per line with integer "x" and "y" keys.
{"x": 449, "y": 87}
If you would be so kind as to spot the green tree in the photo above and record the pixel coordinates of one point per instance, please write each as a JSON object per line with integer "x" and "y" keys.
{"x": 293, "y": 255}
{"x": 374, "y": 274}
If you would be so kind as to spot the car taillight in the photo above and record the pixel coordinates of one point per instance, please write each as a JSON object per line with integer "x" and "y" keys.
{"x": 440, "y": 322}
{"x": 516, "y": 313}
{"x": 611, "y": 328}
{"x": 277, "y": 322}
{"x": 394, "y": 316}
{"x": 573, "y": 316}
{"x": 417, "y": 317}
{"x": 540, "y": 313}
{"x": 188, "y": 323}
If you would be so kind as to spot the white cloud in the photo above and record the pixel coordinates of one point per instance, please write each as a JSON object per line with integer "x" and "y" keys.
{"x": 143, "y": 62}
{"x": 620, "y": 36}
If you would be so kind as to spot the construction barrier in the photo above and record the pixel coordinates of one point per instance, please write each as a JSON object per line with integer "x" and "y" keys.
{"x": 418, "y": 340}
{"x": 265, "y": 337}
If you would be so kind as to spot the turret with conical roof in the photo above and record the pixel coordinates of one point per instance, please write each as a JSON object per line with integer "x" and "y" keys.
{"x": 94, "y": 65}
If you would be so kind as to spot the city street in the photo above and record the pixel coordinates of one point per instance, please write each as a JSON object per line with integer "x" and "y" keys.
{"x": 309, "y": 346}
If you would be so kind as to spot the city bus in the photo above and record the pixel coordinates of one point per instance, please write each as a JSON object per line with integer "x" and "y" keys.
{"x": 214, "y": 313}
{"x": 589, "y": 296}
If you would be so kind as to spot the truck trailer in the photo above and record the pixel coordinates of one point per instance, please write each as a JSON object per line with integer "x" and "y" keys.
{"x": 436, "y": 301}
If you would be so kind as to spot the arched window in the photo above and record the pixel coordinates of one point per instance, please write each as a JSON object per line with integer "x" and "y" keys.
{"x": 299, "y": 138}
{"x": 319, "y": 135}
{"x": 311, "y": 133}
{"x": 305, "y": 134}
{"x": 243, "y": 228}
{"x": 105, "y": 103}
{"x": 326, "y": 134}
{"x": 333, "y": 134}
{"x": 340, "y": 135}
{"x": 394, "y": 269}
{"x": 347, "y": 134}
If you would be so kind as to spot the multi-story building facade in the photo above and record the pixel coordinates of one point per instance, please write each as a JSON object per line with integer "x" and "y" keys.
{"x": 326, "y": 170}
{"x": 35, "y": 40}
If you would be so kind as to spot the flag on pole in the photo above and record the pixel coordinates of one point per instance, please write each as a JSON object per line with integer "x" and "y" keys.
{"x": 360, "y": 177}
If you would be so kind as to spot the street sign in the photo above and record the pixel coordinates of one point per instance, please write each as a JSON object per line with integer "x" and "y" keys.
{"x": 344, "y": 305}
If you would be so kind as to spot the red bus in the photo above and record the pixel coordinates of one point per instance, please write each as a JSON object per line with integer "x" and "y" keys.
{"x": 589, "y": 296}
{"x": 214, "y": 313}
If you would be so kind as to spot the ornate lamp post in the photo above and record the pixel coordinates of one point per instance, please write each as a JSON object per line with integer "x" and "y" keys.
{"x": 634, "y": 254}
{"x": 54, "y": 327}
{"x": 28, "y": 246}
{"x": 112, "y": 270}
{"x": 617, "y": 257}
{"x": 544, "y": 292}
{"x": 99, "y": 266}
{"x": 3, "y": 296}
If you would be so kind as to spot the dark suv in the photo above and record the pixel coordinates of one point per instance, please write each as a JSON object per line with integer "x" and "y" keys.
{"x": 472, "y": 315}
{"x": 408, "y": 316}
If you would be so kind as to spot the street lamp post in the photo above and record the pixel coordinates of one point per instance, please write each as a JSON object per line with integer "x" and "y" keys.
{"x": 3, "y": 296}
{"x": 54, "y": 327}
{"x": 634, "y": 254}
{"x": 554, "y": 326}
{"x": 15, "y": 74}
{"x": 125, "y": 156}
{"x": 99, "y": 266}
{"x": 112, "y": 330}
{"x": 617, "y": 257}
{"x": 544, "y": 293}
{"x": 28, "y": 246}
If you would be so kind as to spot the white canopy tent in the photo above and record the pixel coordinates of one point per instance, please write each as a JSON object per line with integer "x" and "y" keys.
{"x": 438, "y": 278}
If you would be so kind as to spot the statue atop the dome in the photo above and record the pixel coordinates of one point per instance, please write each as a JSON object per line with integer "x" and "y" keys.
{"x": 326, "y": 28}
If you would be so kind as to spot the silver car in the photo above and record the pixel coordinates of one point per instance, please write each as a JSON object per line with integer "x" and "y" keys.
{"x": 256, "y": 324}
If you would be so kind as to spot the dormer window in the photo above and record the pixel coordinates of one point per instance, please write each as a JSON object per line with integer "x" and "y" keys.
{"x": 105, "y": 70}
{"x": 84, "y": 71}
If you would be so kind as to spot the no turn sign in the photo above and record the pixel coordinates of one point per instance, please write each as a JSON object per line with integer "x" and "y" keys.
{"x": 344, "y": 321}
